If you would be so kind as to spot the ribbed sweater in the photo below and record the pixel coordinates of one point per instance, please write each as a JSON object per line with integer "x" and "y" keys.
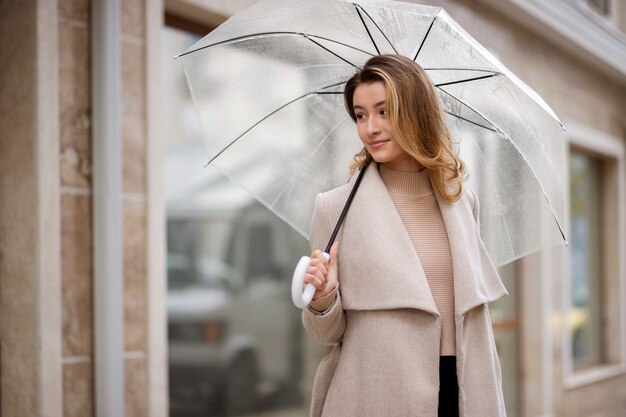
{"x": 414, "y": 198}
{"x": 415, "y": 201}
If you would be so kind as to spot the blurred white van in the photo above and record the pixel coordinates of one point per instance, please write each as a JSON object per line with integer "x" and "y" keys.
{"x": 235, "y": 338}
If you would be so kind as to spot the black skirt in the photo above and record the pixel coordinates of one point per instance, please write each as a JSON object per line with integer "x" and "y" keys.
{"x": 448, "y": 387}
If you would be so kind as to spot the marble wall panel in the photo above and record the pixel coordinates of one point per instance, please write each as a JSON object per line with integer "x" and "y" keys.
{"x": 136, "y": 393}
{"x": 76, "y": 269}
{"x": 135, "y": 280}
{"x": 133, "y": 17}
{"x": 78, "y": 399}
{"x": 134, "y": 117}
{"x": 74, "y": 104}
{"x": 76, "y": 9}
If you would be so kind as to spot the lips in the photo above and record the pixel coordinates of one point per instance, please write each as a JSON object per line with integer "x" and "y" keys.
{"x": 378, "y": 143}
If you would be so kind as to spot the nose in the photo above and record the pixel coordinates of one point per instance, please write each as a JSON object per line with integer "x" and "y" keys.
{"x": 373, "y": 127}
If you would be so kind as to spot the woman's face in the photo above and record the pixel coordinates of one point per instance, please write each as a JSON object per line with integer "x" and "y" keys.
{"x": 372, "y": 122}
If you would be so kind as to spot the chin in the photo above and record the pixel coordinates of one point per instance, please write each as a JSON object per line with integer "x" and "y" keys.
{"x": 381, "y": 159}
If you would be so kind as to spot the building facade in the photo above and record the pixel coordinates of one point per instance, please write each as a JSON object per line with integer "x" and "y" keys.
{"x": 97, "y": 192}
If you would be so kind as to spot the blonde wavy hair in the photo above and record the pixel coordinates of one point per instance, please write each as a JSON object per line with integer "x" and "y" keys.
{"x": 416, "y": 119}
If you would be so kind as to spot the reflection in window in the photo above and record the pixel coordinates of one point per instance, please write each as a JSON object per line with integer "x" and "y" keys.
{"x": 236, "y": 343}
{"x": 585, "y": 319}
{"x": 260, "y": 249}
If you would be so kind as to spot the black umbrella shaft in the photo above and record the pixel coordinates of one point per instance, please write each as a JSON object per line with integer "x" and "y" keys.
{"x": 345, "y": 209}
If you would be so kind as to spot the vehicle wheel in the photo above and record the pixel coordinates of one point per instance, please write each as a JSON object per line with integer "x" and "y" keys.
{"x": 242, "y": 380}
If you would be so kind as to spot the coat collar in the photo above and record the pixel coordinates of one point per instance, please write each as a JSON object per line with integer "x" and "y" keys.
{"x": 379, "y": 269}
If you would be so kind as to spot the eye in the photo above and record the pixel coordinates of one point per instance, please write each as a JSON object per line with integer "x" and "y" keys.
{"x": 383, "y": 112}
{"x": 360, "y": 116}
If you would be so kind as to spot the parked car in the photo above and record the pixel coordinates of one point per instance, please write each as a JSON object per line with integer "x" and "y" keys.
{"x": 235, "y": 339}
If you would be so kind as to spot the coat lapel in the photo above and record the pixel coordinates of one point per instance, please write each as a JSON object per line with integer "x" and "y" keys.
{"x": 382, "y": 269}
{"x": 476, "y": 280}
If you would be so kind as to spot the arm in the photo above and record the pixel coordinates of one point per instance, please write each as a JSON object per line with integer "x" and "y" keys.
{"x": 327, "y": 327}
{"x": 324, "y": 319}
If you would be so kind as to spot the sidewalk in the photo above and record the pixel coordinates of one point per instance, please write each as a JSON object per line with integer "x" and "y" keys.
{"x": 292, "y": 412}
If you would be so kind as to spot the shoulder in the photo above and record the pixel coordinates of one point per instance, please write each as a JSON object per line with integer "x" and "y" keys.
{"x": 470, "y": 196}
{"x": 474, "y": 204}
{"x": 328, "y": 206}
{"x": 333, "y": 200}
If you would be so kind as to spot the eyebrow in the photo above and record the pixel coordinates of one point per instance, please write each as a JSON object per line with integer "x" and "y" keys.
{"x": 380, "y": 103}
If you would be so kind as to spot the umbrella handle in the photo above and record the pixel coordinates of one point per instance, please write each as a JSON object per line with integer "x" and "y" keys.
{"x": 302, "y": 298}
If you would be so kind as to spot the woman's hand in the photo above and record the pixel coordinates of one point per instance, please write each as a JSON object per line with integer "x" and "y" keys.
{"x": 322, "y": 273}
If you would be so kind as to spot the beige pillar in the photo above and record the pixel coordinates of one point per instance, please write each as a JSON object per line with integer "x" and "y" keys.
{"x": 30, "y": 289}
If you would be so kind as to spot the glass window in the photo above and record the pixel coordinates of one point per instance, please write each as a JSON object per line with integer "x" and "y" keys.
{"x": 504, "y": 317}
{"x": 586, "y": 272}
{"x": 236, "y": 343}
{"x": 601, "y": 6}
{"x": 260, "y": 248}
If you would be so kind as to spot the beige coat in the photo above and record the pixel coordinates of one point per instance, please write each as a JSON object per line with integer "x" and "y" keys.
{"x": 384, "y": 327}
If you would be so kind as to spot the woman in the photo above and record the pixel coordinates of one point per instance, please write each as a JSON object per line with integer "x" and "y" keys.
{"x": 403, "y": 299}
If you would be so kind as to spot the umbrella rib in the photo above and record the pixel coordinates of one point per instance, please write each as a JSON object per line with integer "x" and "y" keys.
{"x": 466, "y": 80}
{"x": 238, "y": 38}
{"x": 495, "y": 129}
{"x": 328, "y": 50}
{"x": 463, "y": 69}
{"x": 469, "y": 121}
{"x": 267, "y": 116}
{"x": 425, "y": 36}
{"x": 366, "y": 28}
{"x": 498, "y": 130}
{"x": 377, "y": 27}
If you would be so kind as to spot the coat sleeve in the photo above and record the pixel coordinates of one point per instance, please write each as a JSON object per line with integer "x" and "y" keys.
{"x": 475, "y": 208}
{"x": 325, "y": 327}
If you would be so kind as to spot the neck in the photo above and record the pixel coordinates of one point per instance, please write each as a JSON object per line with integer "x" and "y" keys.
{"x": 404, "y": 165}
{"x": 405, "y": 183}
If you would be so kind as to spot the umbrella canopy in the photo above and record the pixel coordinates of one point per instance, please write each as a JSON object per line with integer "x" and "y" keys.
{"x": 268, "y": 84}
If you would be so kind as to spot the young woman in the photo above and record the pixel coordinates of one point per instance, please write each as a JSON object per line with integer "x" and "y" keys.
{"x": 403, "y": 300}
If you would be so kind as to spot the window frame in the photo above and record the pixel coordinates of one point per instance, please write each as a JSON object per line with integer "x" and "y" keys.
{"x": 597, "y": 8}
{"x": 613, "y": 17}
{"x": 193, "y": 16}
{"x": 585, "y": 34}
{"x": 515, "y": 323}
{"x": 610, "y": 150}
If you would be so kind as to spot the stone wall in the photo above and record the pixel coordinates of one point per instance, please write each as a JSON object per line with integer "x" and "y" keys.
{"x": 75, "y": 161}
{"x": 30, "y": 317}
{"x": 18, "y": 195}
{"x": 28, "y": 215}
{"x": 576, "y": 92}
{"x": 134, "y": 150}
{"x": 76, "y": 196}
{"x": 573, "y": 89}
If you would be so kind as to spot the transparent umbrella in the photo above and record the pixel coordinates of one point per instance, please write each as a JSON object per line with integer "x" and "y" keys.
{"x": 268, "y": 83}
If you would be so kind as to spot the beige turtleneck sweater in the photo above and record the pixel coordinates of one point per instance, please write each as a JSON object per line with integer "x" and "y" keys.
{"x": 415, "y": 200}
